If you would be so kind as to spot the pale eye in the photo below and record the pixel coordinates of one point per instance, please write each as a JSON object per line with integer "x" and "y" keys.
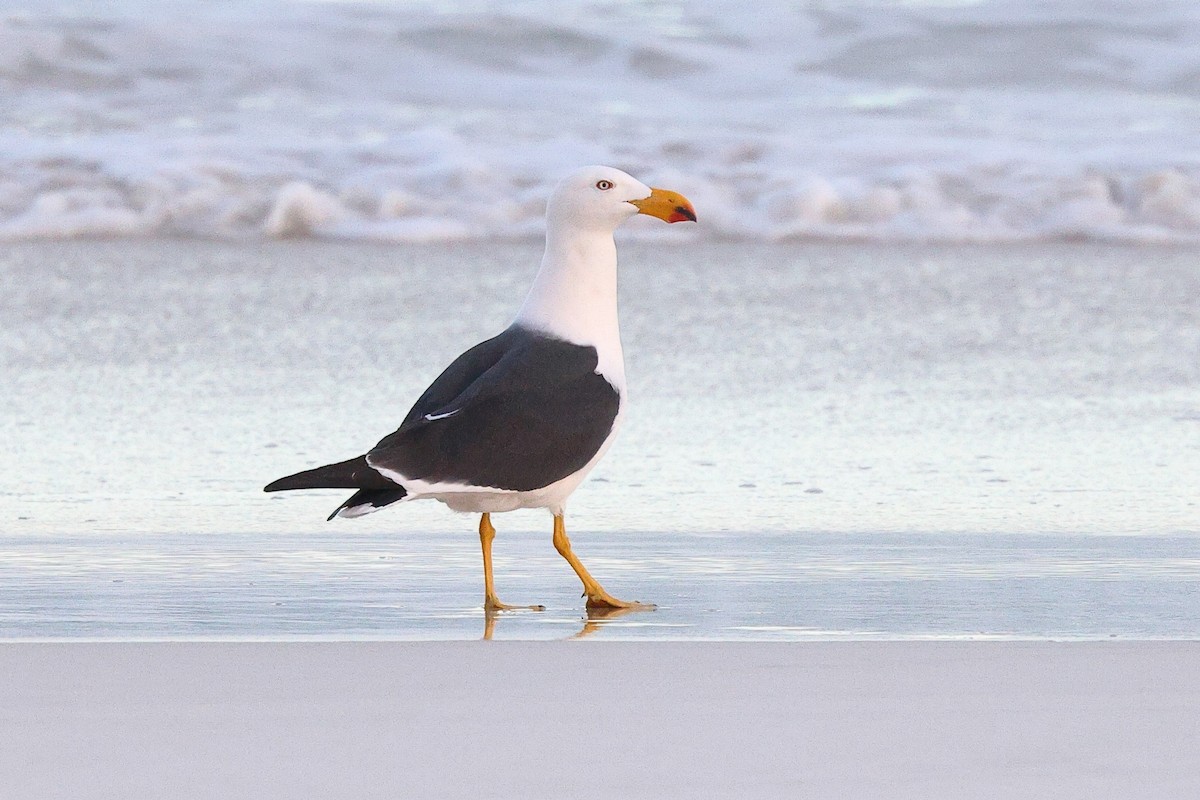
{"x": 604, "y": 186}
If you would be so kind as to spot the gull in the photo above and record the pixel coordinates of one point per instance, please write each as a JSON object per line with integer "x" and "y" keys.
{"x": 519, "y": 420}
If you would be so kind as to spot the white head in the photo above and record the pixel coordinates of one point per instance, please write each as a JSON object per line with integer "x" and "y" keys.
{"x": 574, "y": 295}
{"x": 602, "y": 198}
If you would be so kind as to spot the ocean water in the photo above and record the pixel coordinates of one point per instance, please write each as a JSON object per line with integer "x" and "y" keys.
{"x": 825, "y": 440}
{"x": 417, "y": 121}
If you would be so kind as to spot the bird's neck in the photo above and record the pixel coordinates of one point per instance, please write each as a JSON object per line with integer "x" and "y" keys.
{"x": 574, "y": 296}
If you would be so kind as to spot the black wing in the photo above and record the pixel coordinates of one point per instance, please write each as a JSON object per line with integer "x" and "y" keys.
{"x": 462, "y": 372}
{"x": 517, "y": 412}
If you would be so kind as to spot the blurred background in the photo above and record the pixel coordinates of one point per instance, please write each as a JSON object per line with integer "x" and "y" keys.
{"x": 416, "y": 121}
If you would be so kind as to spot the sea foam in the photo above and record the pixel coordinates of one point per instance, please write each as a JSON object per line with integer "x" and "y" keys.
{"x": 1000, "y": 120}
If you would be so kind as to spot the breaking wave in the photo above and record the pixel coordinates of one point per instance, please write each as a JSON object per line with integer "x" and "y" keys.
{"x": 410, "y": 122}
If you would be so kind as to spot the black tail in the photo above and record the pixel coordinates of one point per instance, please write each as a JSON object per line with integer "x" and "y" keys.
{"x": 364, "y": 501}
{"x": 352, "y": 474}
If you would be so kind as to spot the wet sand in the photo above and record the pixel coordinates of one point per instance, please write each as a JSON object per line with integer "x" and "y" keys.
{"x": 537, "y": 720}
{"x": 413, "y": 585}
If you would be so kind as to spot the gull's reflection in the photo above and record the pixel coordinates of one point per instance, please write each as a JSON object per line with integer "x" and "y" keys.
{"x": 489, "y": 623}
{"x": 593, "y": 622}
{"x": 597, "y": 617}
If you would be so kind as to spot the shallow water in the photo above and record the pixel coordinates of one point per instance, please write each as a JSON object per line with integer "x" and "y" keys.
{"x": 824, "y": 440}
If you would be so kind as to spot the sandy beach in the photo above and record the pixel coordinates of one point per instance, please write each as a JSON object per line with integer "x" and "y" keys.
{"x": 201, "y": 721}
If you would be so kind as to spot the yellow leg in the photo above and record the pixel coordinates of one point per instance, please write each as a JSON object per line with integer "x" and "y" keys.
{"x": 596, "y": 596}
{"x": 490, "y": 602}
